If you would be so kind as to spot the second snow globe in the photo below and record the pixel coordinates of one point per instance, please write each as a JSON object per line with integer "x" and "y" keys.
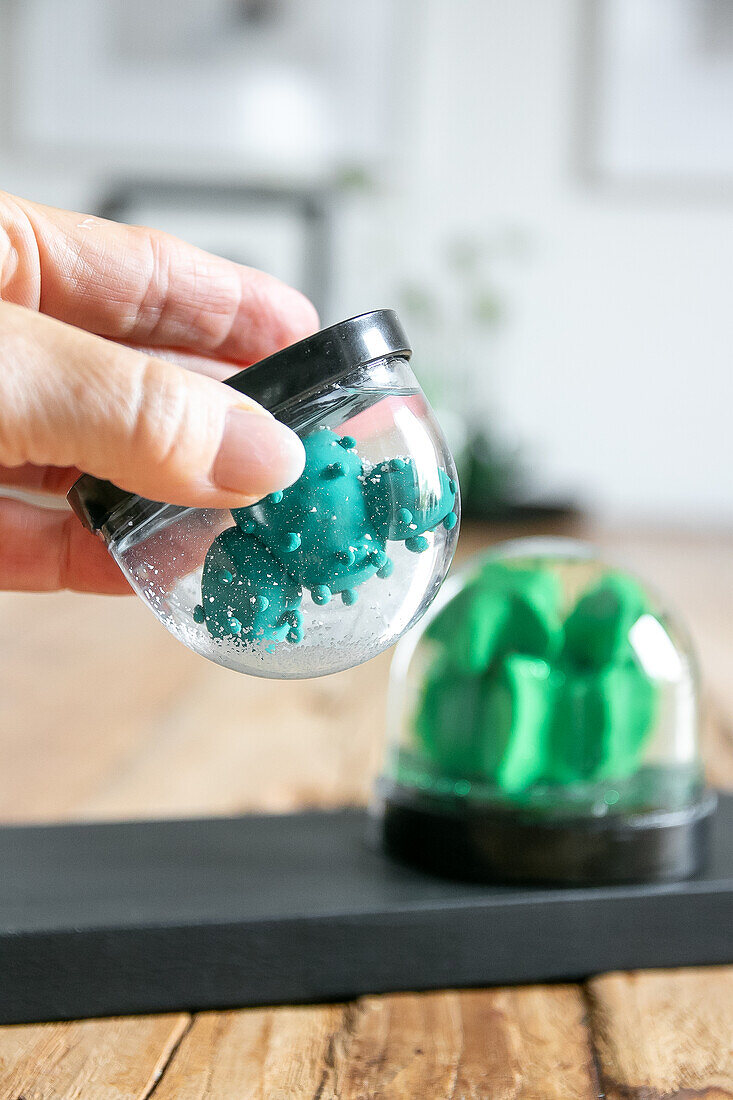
{"x": 543, "y": 726}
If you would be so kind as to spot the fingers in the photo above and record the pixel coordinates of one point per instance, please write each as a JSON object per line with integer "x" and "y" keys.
{"x": 136, "y": 284}
{"x": 56, "y": 480}
{"x": 153, "y": 428}
{"x": 219, "y": 369}
{"x": 43, "y": 551}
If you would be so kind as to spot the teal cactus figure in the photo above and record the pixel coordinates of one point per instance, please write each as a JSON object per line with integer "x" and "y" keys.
{"x": 403, "y": 506}
{"x": 517, "y": 693}
{"x": 327, "y": 533}
{"x": 320, "y": 530}
{"x": 247, "y": 595}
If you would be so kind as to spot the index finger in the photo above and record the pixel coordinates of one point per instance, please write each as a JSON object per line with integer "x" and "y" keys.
{"x": 137, "y": 284}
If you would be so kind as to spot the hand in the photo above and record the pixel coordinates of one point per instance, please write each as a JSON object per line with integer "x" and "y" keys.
{"x": 80, "y": 389}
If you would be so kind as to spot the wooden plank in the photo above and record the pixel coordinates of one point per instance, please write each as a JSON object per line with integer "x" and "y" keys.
{"x": 664, "y": 1034}
{"x": 82, "y": 699}
{"x": 164, "y": 733}
{"x": 507, "y": 1044}
{"x": 254, "y": 1054}
{"x": 114, "y": 1059}
{"x": 717, "y": 746}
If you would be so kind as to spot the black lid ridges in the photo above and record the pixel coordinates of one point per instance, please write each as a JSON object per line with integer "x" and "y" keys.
{"x": 323, "y": 357}
{"x": 294, "y": 372}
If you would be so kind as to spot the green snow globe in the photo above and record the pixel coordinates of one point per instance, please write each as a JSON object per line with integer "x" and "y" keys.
{"x": 543, "y": 726}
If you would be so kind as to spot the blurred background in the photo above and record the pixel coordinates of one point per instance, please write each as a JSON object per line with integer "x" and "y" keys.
{"x": 542, "y": 188}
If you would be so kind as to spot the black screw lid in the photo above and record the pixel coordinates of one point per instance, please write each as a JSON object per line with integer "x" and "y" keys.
{"x": 323, "y": 357}
{"x": 274, "y": 382}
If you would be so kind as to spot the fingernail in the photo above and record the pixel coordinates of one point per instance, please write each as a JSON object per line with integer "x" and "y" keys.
{"x": 257, "y": 455}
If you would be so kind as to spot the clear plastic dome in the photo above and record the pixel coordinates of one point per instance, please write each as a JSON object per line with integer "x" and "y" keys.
{"x": 544, "y": 677}
{"x": 328, "y": 573}
{"x": 546, "y": 687}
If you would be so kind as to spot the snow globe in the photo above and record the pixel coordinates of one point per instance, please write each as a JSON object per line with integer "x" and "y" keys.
{"x": 328, "y": 573}
{"x": 543, "y": 727}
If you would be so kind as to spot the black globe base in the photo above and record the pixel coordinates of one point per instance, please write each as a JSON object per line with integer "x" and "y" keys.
{"x": 482, "y": 844}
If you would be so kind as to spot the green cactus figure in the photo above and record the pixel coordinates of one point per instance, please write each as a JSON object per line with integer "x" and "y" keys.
{"x": 488, "y": 726}
{"x": 327, "y": 533}
{"x": 597, "y": 630}
{"x": 516, "y": 696}
{"x": 508, "y": 610}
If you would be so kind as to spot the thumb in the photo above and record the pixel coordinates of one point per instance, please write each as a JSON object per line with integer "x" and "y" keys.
{"x": 72, "y": 399}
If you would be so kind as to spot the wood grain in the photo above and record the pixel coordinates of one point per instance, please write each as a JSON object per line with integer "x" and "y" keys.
{"x": 664, "y": 1034}
{"x": 717, "y": 745}
{"x": 115, "y": 1059}
{"x": 104, "y": 715}
{"x": 519, "y": 1044}
{"x": 254, "y": 1054}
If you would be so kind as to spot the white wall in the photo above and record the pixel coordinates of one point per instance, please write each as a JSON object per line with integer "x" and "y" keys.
{"x": 617, "y": 367}
{"x": 615, "y": 370}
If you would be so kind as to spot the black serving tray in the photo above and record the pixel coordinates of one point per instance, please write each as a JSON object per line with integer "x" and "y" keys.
{"x": 169, "y": 915}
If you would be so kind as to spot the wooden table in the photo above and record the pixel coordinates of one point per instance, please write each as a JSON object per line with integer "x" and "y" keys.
{"x": 103, "y": 715}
